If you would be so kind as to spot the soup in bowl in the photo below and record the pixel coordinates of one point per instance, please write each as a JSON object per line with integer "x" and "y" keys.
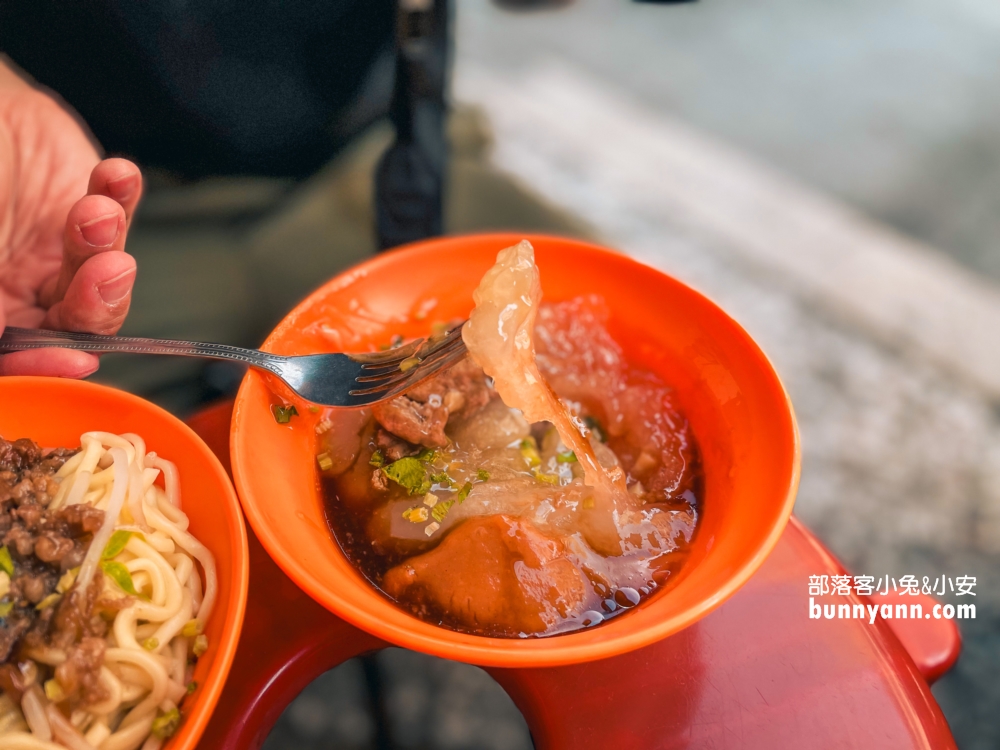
{"x": 731, "y": 410}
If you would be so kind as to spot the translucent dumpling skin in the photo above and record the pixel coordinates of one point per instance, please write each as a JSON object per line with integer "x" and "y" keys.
{"x": 500, "y": 338}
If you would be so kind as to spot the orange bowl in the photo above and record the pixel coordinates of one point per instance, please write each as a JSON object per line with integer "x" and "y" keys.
{"x": 738, "y": 410}
{"x": 55, "y": 413}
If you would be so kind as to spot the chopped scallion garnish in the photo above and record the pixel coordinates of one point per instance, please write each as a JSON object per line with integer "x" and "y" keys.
{"x": 117, "y": 543}
{"x": 6, "y": 564}
{"x": 464, "y": 492}
{"x": 324, "y": 461}
{"x": 441, "y": 510}
{"x": 410, "y": 474}
{"x": 417, "y": 514}
{"x": 284, "y": 414}
{"x": 377, "y": 460}
{"x": 120, "y": 575}
{"x": 48, "y": 601}
{"x": 482, "y": 475}
{"x": 166, "y": 724}
{"x": 566, "y": 457}
{"x": 67, "y": 580}
{"x": 54, "y": 691}
{"x": 529, "y": 451}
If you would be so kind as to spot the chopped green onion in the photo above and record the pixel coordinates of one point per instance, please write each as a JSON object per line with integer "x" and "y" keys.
{"x": 120, "y": 575}
{"x": 566, "y": 457}
{"x": 430, "y": 528}
{"x": 377, "y": 460}
{"x": 67, "y": 580}
{"x": 442, "y": 478}
{"x": 430, "y": 500}
{"x": 482, "y": 475}
{"x": 5, "y": 608}
{"x": 200, "y": 645}
{"x": 410, "y": 474}
{"x": 166, "y": 724}
{"x": 464, "y": 492}
{"x": 48, "y": 601}
{"x": 595, "y": 426}
{"x": 441, "y": 510}
{"x": 284, "y": 414}
{"x": 191, "y": 687}
{"x": 6, "y": 564}
{"x": 54, "y": 691}
{"x": 417, "y": 514}
{"x": 529, "y": 451}
{"x": 324, "y": 461}
{"x": 117, "y": 543}
{"x": 547, "y": 478}
{"x": 191, "y": 628}
{"x": 427, "y": 455}
{"x": 151, "y": 644}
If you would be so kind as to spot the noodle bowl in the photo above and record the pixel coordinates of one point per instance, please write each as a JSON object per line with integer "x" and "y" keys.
{"x": 154, "y": 583}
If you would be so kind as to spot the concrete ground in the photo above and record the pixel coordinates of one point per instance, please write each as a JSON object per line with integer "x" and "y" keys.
{"x": 787, "y": 158}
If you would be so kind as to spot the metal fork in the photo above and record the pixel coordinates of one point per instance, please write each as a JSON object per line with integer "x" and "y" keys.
{"x": 325, "y": 379}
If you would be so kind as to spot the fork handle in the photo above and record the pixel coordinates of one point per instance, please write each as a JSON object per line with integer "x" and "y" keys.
{"x": 19, "y": 339}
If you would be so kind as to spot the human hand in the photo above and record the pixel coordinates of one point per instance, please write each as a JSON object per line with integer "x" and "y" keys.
{"x": 62, "y": 259}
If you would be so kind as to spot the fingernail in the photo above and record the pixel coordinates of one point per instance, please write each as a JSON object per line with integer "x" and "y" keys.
{"x": 115, "y": 290}
{"x": 122, "y": 188}
{"x": 100, "y": 232}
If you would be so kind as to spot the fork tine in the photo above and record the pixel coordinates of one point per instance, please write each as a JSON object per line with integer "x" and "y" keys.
{"x": 431, "y": 348}
{"x": 422, "y": 348}
{"x": 389, "y": 357}
{"x": 372, "y": 375}
{"x": 432, "y": 369}
{"x": 404, "y": 380}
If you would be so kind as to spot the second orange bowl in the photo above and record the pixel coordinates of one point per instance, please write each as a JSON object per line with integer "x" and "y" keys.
{"x": 55, "y": 413}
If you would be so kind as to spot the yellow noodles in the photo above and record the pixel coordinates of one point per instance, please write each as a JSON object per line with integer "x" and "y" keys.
{"x": 146, "y": 668}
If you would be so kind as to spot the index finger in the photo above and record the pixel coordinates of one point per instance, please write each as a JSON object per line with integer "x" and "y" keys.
{"x": 120, "y": 180}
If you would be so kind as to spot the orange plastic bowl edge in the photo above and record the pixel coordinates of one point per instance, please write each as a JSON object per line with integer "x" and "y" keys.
{"x": 56, "y": 412}
{"x": 739, "y": 411}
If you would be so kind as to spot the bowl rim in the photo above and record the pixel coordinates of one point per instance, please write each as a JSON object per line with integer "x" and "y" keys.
{"x": 486, "y": 651}
{"x": 193, "y": 726}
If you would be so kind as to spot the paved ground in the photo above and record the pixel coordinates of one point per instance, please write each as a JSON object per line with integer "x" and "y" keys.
{"x": 889, "y": 105}
{"x": 881, "y": 342}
